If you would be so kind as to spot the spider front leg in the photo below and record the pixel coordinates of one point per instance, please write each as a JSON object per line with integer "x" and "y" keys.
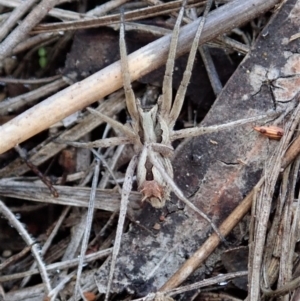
{"x": 178, "y": 102}
{"x": 166, "y": 97}
{"x": 129, "y": 94}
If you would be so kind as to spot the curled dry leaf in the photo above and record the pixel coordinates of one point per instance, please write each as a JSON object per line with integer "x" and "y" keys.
{"x": 272, "y": 132}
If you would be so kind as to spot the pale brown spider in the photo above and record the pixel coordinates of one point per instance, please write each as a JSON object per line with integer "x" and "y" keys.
{"x": 151, "y": 134}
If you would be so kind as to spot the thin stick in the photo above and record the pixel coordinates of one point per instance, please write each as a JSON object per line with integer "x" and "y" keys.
{"x": 43, "y": 178}
{"x": 30, "y": 242}
{"x": 48, "y": 242}
{"x": 30, "y": 98}
{"x": 61, "y": 285}
{"x": 291, "y": 154}
{"x": 211, "y": 70}
{"x": 147, "y": 12}
{"x": 35, "y": 81}
{"x": 197, "y": 285}
{"x": 113, "y": 161}
{"x": 123, "y": 209}
{"x": 105, "y": 164}
{"x": 88, "y": 224}
{"x": 59, "y": 265}
{"x": 14, "y": 258}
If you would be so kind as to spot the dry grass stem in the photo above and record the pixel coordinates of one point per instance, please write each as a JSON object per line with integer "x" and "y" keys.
{"x": 106, "y": 199}
{"x": 126, "y": 189}
{"x": 59, "y": 265}
{"x": 263, "y": 206}
{"x": 14, "y": 17}
{"x": 48, "y": 242}
{"x": 29, "y": 99}
{"x": 147, "y": 12}
{"x": 88, "y": 225}
{"x": 33, "y": 18}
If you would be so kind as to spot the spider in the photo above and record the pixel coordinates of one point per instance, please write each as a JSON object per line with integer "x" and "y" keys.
{"x": 151, "y": 134}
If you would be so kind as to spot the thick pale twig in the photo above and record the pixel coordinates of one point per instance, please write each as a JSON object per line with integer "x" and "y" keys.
{"x": 109, "y": 79}
{"x": 41, "y": 153}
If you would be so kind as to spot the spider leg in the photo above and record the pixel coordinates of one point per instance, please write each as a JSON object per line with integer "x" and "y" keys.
{"x": 175, "y": 111}
{"x": 129, "y": 95}
{"x": 166, "y": 96}
{"x": 177, "y": 191}
{"x": 126, "y": 189}
{"x": 115, "y": 124}
{"x": 198, "y": 131}
{"x": 108, "y": 142}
